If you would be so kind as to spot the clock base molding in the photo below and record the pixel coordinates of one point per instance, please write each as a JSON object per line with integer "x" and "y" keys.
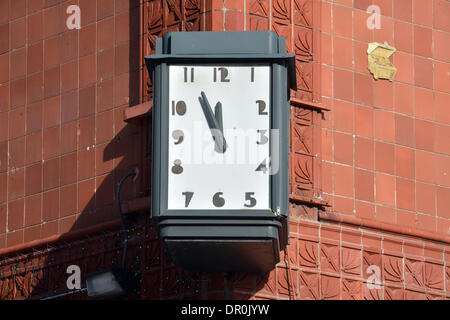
{"x": 223, "y": 245}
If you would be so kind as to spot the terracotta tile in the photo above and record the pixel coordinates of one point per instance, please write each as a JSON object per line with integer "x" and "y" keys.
{"x": 441, "y": 12}
{"x": 4, "y": 15}
{"x": 406, "y": 219}
{"x": 423, "y": 38}
{"x": 364, "y": 153}
{"x": 69, "y": 106}
{"x": 383, "y": 94}
{"x": 384, "y": 157}
{"x": 441, "y": 76}
{"x": 33, "y": 179}
{"x": 343, "y": 180}
{"x": 18, "y": 64}
{"x": 35, "y": 6}
{"x": 365, "y": 210}
{"x": 442, "y": 139}
{"x": 105, "y": 95}
{"x": 51, "y": 142}
{"x": 87, "y": 101}
{"x": 426, "y": 198}
{"x": 403, "y": 101}
{"x": 5, "y": 69}
{"x": 86, "y": 163}
{"x": 105, "y": 38}
{"x": 122, "y": 23}
{"x": 17, "y": 123}
{"x": 405, "y": 194}
{"x": 4, "y": 97}
{"x": 50, "y": 201}
{"x": 364, "y": 121}
{"x": 18, "y": 92}
{"x": 52, "y": 82}
{"x": 403, "y": 33}
{"x": 4, "y": 126}
{"x": 17, "y": 9}
{"x": 385, "y": 214}
{"x": 102, "y": 164}
{"x": 87, "y": 70}
{"x": 443, "y": 201}
{"x": 403, "y": 9}
{"x": 16, "y": 215}
{"x": 441, "y": 45}
{"x": 16, "y": 184}
{"x": 423, "y": 103}
{"x": 35, "y": 86}
{"x": 51, "y": 112}
{"x": 51, "y": 173}
{"x": 35, "y": 27}
{"x": 105, "y": 8}
{"x": 34, "y": 117}
{"x": 3, "y": 218}
{"x": 18, "y": 33}
{"x": 122, "y": 62}
{"x": 425, "y": 135}
{"x": 426, "y": 222}
{"x": 68, "y": 200}
{"x": 386, "y": 32}
{"x": 16, "y": 153}
{"x": 423, "y": 72}
{"x": 69, "y": 169}
{"x": 89, "y": 9}
{"x": 53, "y": 21}
{"x": 404, "y": 63}
{"x": 341, "y": 17}
{"x": 52, "y": 52}
{"x": 105, "y": 60}
{"x": 364, "y": 185}
{"x": 364, "y": 89}
{"x": 385, "y": 189}
{"x": 69, "y": 137}
{"x": 343, "y": 148}
{"x": 341, "y": 79}
{"x": 69, "y": 45}
{"x": 360, "y": 19}
{"x": 86, "y": 132}
{"x": 86, "y": 195}
{"x": 33, "y": 147}
{"x": 88, "y": 39}
{"x": 405, "y": 162}
{"x": 441, "y": 164}
{"x": 384, "y": 125}
{"x": 404, "y": 130}
{"x": 425, "y": 166}
{"x": 105, "y": 190}
{"x": 69, "y": 76}
{"x": 4, "y": 38}
{"x": 423, "y": 13}
{"x": 343, "y": 116}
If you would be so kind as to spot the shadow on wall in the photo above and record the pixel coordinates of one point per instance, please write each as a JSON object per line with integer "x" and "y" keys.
{"x": 160, "y": 279}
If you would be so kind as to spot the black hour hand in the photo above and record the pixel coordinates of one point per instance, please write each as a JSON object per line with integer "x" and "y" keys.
{"x": 215, "y": 122}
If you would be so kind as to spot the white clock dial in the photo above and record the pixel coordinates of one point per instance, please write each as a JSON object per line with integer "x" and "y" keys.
{"x": 219, "y": 131}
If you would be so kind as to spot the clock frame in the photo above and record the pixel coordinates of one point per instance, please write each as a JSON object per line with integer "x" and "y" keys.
{"x": 222, "y": 239}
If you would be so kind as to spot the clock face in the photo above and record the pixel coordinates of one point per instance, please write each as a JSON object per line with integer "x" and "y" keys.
{"x": 219, "y": 132}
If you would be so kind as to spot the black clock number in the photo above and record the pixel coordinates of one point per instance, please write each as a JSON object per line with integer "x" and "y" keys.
{"x": 261, "y": 107}
{"x": 218, "y": 201}
{"x": 188, "y": 198}
{"x": 223, "y": 74}
{"x": 178, "y": 135}
{"x": 177, "y": 168}
{"x": 263, "y": 137}
{"x": 179, "y": 108}
{"x": 252, "y": 77}
{"x": 249, "y": 197}
{"x": 186, "y": 76}
{"x": 262, "y": 167}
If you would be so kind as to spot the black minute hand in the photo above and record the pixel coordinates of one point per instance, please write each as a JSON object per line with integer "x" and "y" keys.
{"x": 215, "y": 122}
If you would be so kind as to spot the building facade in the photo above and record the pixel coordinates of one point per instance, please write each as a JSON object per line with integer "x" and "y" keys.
{"x": 369, "y": 159}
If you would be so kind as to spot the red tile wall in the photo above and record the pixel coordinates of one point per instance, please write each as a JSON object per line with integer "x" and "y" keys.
{"x": 391, "y": 139}
{"x": 63, "y": 143}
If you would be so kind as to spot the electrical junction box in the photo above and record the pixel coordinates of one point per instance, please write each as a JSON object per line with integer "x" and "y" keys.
{"x": 220, "y": 139}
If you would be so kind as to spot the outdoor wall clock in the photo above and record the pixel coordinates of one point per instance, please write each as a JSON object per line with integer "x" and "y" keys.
{"x": 220, "y": 164}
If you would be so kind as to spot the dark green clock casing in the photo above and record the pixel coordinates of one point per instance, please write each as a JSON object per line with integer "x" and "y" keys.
{"x": 222, "y": 240}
